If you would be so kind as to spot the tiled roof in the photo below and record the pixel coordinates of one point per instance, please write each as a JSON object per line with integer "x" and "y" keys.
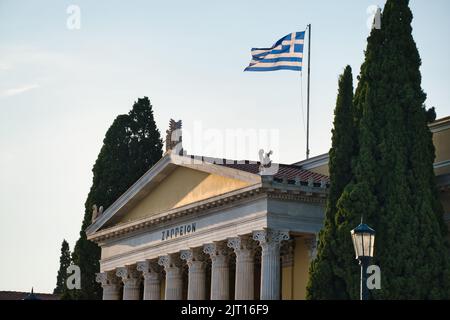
{"x": 15, "y": 295}
{"x": 285, "y": 171}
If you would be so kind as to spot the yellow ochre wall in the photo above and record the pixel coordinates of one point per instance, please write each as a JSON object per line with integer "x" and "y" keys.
{"x": 295, "y": 278}
{"x": 182, "y": 187}
{"x": 441, "y": 142}
{"x": 323, "y": 169}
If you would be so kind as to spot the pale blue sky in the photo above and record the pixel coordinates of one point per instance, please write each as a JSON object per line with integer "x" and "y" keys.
{"x": 61, "y": 89}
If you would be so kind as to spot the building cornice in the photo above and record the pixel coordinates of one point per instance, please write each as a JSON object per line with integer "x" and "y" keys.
{"x": 440, "y": 125}
{"x": 163, "y": 217}
{"x": 314, "y": 162}
{"x": 274, "y": 190}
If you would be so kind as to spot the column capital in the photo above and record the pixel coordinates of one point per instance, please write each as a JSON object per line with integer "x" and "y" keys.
{"x": 193, "y": 257}
{"x": 240, "y": 244}
{"x": 215, "y": 250}
{"x": 106, "y": 278}
{"x": 129, "y": 275}
{"x": 270, "y": 236}
{"x": 169, "y": 261}
{"x": 149, "y": 269}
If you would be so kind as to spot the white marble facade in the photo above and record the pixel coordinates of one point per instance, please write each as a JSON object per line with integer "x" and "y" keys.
{"x": 125, "y": 282}
{"x": 226, "y": 247}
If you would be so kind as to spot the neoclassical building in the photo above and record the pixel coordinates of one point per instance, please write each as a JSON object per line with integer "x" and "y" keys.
{"x": 198, "y": 228}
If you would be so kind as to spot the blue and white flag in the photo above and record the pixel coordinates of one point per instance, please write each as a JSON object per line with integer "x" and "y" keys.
{"x": 285, "y": 54}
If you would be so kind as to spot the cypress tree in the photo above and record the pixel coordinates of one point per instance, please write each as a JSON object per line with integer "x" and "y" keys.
{"x": 131, "y": 146}
{"x": 325, "y": 281}
{"x": 393, "y": 183}
{"x": 64, "y": 263}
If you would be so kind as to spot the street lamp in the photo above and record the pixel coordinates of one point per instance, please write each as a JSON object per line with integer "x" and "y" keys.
{"x": 363, "y": 238}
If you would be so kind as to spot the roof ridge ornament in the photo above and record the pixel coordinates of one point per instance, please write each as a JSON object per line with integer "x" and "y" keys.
{"x": 266, "y": 167}
{"x": 96, "y": 212}
{"x": 174, "y": 137}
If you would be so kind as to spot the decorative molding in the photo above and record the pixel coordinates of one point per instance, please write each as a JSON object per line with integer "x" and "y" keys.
{"x": 141, "y": 253}
{"x": 188, "y": 210}
{"x": 441, "y": 164}
{"x": 169, "y": 261}
{"x": 193, "y": 257}
{"x": 129, "y": 275}
{"x": 167, "y": 160}
{"x": 215, "y": 249}
{"x": 314, "y": 162}
{"x": 106, "y": 278}
{"x": 440, "y": 125}
{"x": 129, "y": 194}
{"x": 274, "y": 190}
{"x": 242, "y": 246}
{"x": 270, "y": 238}
{"x": 297, "y": 197}
{"x": 148, "y": 268}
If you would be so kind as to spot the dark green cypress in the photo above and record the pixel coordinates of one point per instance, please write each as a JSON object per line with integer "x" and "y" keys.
{"x": 326, "y": 281}
{"x": 132, "y": 145}
{"x": 64, "y": 262}
{"x": 394, "y": 185}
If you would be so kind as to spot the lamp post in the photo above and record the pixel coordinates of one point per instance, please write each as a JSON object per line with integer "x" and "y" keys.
{"x": 363, "y": 238}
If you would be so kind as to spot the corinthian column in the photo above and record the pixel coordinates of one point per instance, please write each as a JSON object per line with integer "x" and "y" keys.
{"x": 152, "y": 281}
{"x": 270, "y": 242}
{"x": 220, "y": 270}
{"x": 174, "y": 277}
{"x": 197, "y": 277}
{"x": 131, "y": 282}
{"x": 110, "y": 285}
{"x": 244, "y": 287}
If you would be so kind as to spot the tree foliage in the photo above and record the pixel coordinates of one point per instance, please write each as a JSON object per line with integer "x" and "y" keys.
{"x": 64, "y": 262}
{"x": 393, "y": 183}
{"x": 324, "y": 282}
{"x": 132, "y": 145}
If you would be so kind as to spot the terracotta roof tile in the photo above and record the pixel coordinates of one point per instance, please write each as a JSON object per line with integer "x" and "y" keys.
{"x": 290, "y": 172}
{"x": 285, "y": 171}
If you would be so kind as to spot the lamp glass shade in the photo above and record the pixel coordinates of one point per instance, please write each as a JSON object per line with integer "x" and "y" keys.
{"x": 363, "y": 238}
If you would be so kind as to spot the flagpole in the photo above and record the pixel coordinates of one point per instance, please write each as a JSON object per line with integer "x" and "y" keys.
{"x": 307, "y": 99}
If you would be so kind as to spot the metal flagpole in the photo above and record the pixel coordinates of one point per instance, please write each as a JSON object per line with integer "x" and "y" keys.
{"x": 307, "y": 99}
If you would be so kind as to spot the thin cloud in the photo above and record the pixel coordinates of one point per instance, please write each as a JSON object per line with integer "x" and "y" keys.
{"x": 18, "y": 90}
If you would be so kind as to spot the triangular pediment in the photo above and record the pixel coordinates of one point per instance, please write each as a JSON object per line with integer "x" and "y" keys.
{"x": 172, "y": 183}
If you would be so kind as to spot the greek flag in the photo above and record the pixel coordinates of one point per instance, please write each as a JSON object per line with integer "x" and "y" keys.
{"x": 285, "y": 54}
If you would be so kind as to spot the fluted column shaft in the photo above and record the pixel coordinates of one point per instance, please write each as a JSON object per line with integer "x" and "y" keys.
{"x": 131, "y": 282}
{"x": 111, "y": 292}
{"x": 110, "y": 285}
{"x": 152, "y": 280}
{"x": 220, "y": 271}
{"x": 174, "y": 277}
{"x": 270, "y": 242}
{"x": 152, "y": 286}
{"x": 197, "y": 275}
{"x": 131, "y": 289}
{"x": 244, "y": 286}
